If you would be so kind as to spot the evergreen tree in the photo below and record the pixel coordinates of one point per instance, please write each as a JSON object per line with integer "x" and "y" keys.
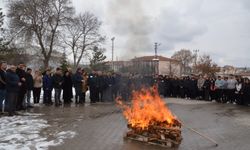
{"x": 64, "y": 62}
{"x": 97, "y": 60}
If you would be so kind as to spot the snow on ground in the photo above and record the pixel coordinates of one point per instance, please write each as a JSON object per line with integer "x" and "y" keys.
{"x": 23, "y": 132}
{"x": 185, "y": 101}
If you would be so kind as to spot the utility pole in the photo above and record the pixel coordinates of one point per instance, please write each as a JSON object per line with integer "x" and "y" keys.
{"x": 156, "y": 47}
{"x": 156, "y": 59}
{"x": 113, "y": 40}
{"x": 196, "y": 51}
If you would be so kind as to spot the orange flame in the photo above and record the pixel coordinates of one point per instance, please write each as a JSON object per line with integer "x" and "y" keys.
{"x": 146, "y": 108}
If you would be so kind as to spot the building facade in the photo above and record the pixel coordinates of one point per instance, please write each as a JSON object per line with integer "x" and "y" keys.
{"x": 148, "y": 65}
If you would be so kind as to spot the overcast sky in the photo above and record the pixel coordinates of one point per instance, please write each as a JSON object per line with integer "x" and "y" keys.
{"x": 219, "y": 28}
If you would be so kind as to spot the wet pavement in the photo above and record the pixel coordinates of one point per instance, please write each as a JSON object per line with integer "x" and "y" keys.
{"x": 102, "y": 126}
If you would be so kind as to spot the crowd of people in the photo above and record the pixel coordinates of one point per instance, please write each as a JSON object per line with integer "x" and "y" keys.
{"x": 228, "y": 89}
{"x": 18, "y": 83}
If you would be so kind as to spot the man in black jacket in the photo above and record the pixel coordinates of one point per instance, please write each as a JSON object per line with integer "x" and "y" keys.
{"x": 93, "y": 87}
{"x": 30, "y": 85}
{"x": 12, "y": 88}
{"x": 57, "y": 81}
{"x": 77, "y": 82}
{"x": 3, "y": 67}
{"x": 20, "y": 71}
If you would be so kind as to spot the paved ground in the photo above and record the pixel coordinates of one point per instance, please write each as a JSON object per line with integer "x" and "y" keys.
{"x": 101, "y": 126}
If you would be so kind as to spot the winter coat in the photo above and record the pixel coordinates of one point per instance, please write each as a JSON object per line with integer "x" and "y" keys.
{"x": 67, "y": 87}
{"x": 77, "y": 80}
{"x": 47, "y": 82}
{"x": 206, "y": 85}
{"x": 57, "y": 81}
{"x": 3, "y": 78}
{"x": 29, "y": 81}
{"x": 12, "y": 81}
{"x": 22, "y": 74}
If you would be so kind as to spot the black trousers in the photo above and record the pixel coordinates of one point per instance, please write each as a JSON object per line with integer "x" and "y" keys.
{"x": 20, "y": 99}
{"x": 79, "y": 95}
{"x": 206, "y": 94}
{"x": 94, "y": 94}
{"x": 11, "y": 101}
{"x": 219, "y": 94}
{"x": 36, "y": 95}
{"x": 239, "y": 98}
{"x": 212, "y": 94}
{"x": 47, "y": 96}
{"x": 245, "y": 98}
{"x": 231, "y": 95}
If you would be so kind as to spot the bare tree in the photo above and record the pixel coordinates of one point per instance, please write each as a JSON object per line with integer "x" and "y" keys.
{"x": 83, "y": 34}
{"x": 1, "y": 29}
{"x": 185, "y": 57}
{"x": 205, "y": 65}
{"x": 1, "y": 18}
{"x": 40, "y": 21}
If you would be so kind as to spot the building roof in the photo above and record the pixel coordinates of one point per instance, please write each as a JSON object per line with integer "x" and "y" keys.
{"x": 244, "y": 74}
{"x": 150, "y": 58}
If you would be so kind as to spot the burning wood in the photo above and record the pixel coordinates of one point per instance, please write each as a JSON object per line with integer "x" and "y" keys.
{"x": 150, "y": 121}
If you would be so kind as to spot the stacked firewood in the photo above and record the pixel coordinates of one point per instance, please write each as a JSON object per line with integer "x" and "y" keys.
{"x": 157, "y": 133}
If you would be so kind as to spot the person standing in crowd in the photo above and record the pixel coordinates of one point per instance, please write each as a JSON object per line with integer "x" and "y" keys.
{"x": 84, "y": 85}
{"x": 219, "y": 83}
{"x": 182, "y": 87}
{"x": 212, "y": 89}
{"x": 71, "y": 74}
{"x": 193, "y": 88}
{"x": 38, "y": 80}
{"x": 67, "y": 87}
{"x": 47, "y": 87}
{"x": 166, "y": 86}
{"x": 20, "y": 71}
{"x": 231, "y": 85}
{"x": 125, "y": 87}
{"x": 107, "y": 96}
{"x": 161, "y": 84}
{"x": 246, "y": 92}
{"x": 116, "y": 85}
{"x": 225, "y": 90}
{"x": 176, "y": 87}
{"x": 3, "y": 67}
{"x": 77, "y": 82}
{"x": 57, "y": 81}
{"x": 30, "y": 86}
{"x": 206, "y": 88}
{"x": 93, "y": 87}
{"x": 13, "y": 85}
{"x": 102, "y": 85}
{"x": 239, "y": 91}
{"x": 200, "y": 84}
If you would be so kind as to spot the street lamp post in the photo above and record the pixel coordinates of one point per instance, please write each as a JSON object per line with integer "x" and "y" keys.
{"x": 113, "y": 40}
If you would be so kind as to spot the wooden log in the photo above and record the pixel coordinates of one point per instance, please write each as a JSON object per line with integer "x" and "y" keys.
{"x": 158, "y": 140}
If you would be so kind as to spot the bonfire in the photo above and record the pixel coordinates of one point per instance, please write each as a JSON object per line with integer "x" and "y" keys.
{"x": 149, "y": 119}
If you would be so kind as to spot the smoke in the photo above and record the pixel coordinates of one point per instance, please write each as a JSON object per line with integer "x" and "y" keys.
{"x": 128, "y": 19}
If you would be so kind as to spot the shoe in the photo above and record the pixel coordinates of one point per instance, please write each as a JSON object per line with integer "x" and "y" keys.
{"x": 11, "y": 115}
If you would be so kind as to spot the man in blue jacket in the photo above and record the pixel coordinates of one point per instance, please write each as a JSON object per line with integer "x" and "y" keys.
{"x": 47, "y": 87}
{"x": 12, "y": 88}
